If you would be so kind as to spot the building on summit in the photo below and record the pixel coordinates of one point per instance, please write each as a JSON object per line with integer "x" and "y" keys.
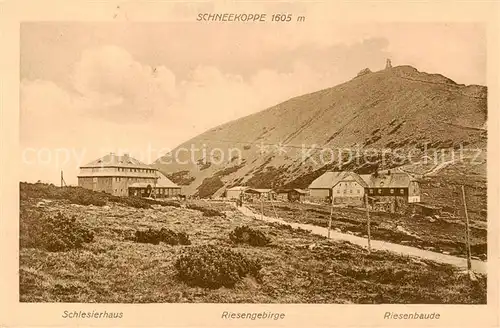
{"x": 126, "y": 176}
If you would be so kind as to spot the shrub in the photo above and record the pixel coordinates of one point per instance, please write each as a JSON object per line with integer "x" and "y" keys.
{"x": 167, "y": 236}
{"x": 209, "y": 186}
{"x": 75, "y": 195}
{"x": 181, "y": 178}
{"x": 207, "y": 211}
{"x": 212, "y": 266}
{"x": 52, "y": 233}
{"x": 135, "y": 202}
{"x": 82, "y": 196}
{"x": 247, "y": 235}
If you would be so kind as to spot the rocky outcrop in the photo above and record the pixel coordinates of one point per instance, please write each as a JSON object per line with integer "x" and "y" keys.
{"x": 364, "y": 72}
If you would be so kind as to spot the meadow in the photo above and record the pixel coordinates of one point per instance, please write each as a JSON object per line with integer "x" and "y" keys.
{"x": 115, "y": 252}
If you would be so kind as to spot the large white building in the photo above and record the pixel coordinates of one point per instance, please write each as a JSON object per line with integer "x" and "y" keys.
{"x": 126, "y": 176}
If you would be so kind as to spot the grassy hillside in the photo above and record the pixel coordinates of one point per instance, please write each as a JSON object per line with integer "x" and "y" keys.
{"x": 118, "y": 261}
{"x": 438, "y": 235}
{"x": 393, "y": 108}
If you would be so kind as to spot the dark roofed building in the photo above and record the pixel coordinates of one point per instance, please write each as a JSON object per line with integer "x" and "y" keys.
{"x": 394, "y": 189}
{"x": 392, "y": 184}
{"x": 254, "y": 193}
{"x": 291, "y": 195}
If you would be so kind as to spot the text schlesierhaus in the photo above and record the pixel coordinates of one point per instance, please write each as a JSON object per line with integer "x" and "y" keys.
{"x": 92, "y": 315}
{"x": 252, "y": 315}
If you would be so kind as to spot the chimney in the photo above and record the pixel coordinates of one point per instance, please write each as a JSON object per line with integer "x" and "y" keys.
{"x": 388, "y": 64}
{"x": 126, "y": 156}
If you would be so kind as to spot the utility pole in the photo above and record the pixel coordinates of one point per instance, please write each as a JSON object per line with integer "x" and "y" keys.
{"x": 63, "y": 183}
{"x": 467, "y": 232}
{"x": 331, "y": 215}
{"x": 261, "y": 207}
{"x": 274, "y": 209}
{"x": 368, "y": 223}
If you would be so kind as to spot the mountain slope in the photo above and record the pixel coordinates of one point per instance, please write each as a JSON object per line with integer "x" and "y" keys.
{"x": 398, "y": 107}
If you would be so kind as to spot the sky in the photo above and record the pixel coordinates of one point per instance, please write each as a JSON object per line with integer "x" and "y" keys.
{"x": 87, "y": 89}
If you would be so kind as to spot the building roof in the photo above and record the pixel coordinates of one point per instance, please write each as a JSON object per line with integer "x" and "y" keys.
{"x": 260, "y": 191}
{"x": 161, "y": 182}
{"x": 146, "y": 184}
{"x": 327, "y": 180}
{"x": 165, "y": 182}
{"x": 141, "y": 185}
{"x": 359, "y": 179}
{"x": 390, "y": 180}
{"x": 112, "y": 160}
{"x": 237, "y": 188}
{"x": 330, "y": 179}
{"x": 112, "y": 174}
{"x": 285, "y": 190}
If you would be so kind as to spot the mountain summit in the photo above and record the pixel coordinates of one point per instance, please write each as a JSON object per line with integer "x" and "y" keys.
{"x": 398, "y": 107}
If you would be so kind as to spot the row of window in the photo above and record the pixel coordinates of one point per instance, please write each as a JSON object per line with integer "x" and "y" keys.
{"x": 161, "y": 191}
{"x": 132, "y": 179}
{"x": 124, "y": 169}
{"x": 348, "y": 184}
{"x": 345, "y": 191}
{"x": 379, "y": 191}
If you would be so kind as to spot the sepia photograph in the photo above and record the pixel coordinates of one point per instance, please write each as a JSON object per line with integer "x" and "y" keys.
{"x": 231, "y": 160}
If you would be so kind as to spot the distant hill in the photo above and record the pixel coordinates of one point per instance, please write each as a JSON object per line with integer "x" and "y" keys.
{"x": 397, "y": 107}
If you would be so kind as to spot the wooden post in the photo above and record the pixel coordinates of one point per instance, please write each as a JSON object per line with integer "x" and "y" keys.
{"x": 331, "y": 215}
{"x": 274, "y": 209}
{"x": 467, "y": 232}
{"x": 63, "y": 183}
{"x": 262, "y": 208}
{"x": 368, "y": 223}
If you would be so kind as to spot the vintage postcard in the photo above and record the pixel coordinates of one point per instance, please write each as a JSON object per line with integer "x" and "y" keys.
{"x": 248, "y": 163}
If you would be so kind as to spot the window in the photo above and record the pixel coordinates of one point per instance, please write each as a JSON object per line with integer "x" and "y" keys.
{"x": 350, "y": 191}
{"x": 392, "y": 191}
{"x": 380, "y": 191}
{"x": 401, "y": 191}
{"x": 338, "y": 191}
{"x": 371, "y": 191}
{"x": 358, "y": 191}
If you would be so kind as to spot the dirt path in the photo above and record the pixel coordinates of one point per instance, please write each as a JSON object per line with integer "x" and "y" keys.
{"x": 439, "y": 167}
{"x": 477, "y": 266}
